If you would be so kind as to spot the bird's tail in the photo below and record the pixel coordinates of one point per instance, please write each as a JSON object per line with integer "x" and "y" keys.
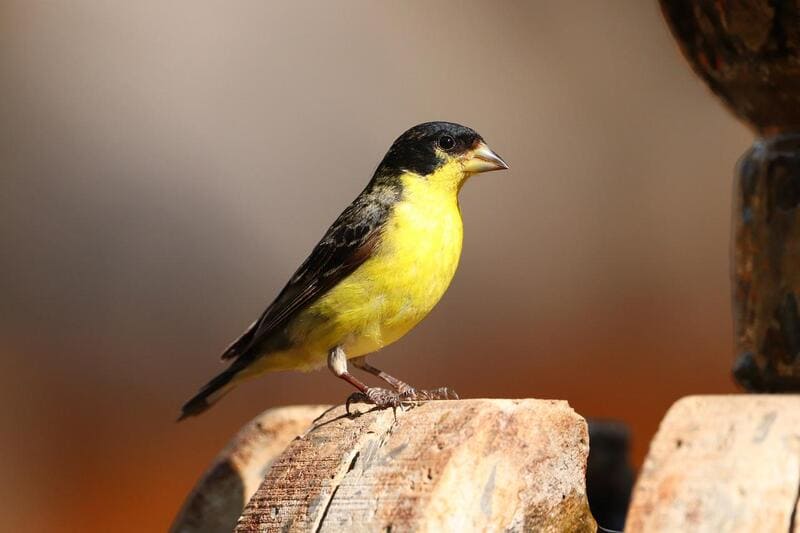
{"x": 210, "y": 393}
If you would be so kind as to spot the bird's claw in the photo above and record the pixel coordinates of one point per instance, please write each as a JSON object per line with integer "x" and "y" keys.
{"x": 406, "y": 397}
{"x": 411, "y": 394}
{"x": 380, "y": 398}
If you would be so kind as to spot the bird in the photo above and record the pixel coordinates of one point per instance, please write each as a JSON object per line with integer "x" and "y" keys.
{"x": 376, "y": 273}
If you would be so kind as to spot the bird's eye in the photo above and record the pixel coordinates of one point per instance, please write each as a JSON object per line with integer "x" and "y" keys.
{"x": 446, "y": 142}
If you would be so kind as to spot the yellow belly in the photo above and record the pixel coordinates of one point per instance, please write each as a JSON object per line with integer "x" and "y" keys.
{"x": 393, "y": 290}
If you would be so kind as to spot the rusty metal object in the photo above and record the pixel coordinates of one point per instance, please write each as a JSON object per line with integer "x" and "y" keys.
{"x": 748, "y": 52}
{"x": 766, "y": 261}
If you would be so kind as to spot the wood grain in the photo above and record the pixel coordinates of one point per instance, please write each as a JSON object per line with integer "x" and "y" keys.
{"x": 217, "y": 500}
{"x": 722, "y": 464}
{"x": 468, "y": 465}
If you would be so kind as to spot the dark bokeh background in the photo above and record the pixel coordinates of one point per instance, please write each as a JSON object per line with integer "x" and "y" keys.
{"x": 164, "y": 167}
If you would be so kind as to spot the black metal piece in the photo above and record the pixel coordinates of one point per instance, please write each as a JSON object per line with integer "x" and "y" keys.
{"x": 766, "y": 266}
{"x": 748, "y": 52}
{"x": 609, "y": 475}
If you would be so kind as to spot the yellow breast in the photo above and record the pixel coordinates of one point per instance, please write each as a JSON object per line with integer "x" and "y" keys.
{"x": 403, "y": 280}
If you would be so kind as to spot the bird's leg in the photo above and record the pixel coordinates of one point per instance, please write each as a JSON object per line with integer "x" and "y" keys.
{"x": 396, "y": 384}
{"x": 381, "y": 398}
{"x": 406, "y": 391}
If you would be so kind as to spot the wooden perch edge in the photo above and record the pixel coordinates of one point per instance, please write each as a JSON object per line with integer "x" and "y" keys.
{"x": 216, "y": 502}
{"x": 467, "y": 465}
{"x": 722, "y": 464}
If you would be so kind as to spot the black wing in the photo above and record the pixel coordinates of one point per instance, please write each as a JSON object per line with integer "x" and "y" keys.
{"x": 346, "y": 245}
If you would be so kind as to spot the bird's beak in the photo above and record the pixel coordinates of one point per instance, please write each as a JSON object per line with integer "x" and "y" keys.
{"x": 483, "y": 159}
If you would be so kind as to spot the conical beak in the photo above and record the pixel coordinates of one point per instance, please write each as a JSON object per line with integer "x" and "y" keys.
{"x": 483, "y": 159}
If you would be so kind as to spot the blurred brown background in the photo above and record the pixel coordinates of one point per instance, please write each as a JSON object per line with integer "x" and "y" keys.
{"x": 164, "y": 167}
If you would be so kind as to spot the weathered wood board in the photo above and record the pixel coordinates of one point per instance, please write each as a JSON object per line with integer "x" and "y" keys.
{"x": 722, "y": 464}
{"x": 467, "y": 465}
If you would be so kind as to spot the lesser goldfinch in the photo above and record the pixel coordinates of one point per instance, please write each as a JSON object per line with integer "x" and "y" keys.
{"x": 376, "y": 273}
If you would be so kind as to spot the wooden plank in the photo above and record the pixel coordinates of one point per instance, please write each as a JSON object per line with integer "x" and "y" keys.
{"x": 217, "y": 500}
{"x": 722, "y": 464}
{"x": 468, "y": 465}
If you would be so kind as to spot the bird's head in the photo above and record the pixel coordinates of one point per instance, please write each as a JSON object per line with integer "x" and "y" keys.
{"x": 440, "y": 152}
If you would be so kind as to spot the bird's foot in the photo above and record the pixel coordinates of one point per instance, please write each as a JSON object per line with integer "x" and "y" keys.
{"x": 380, "y": 398}
{"x": 410, "y": 394}
{"x": 406, "y": 397}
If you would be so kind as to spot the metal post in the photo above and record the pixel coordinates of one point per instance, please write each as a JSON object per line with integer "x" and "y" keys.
{"x": 748, "y": 53}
